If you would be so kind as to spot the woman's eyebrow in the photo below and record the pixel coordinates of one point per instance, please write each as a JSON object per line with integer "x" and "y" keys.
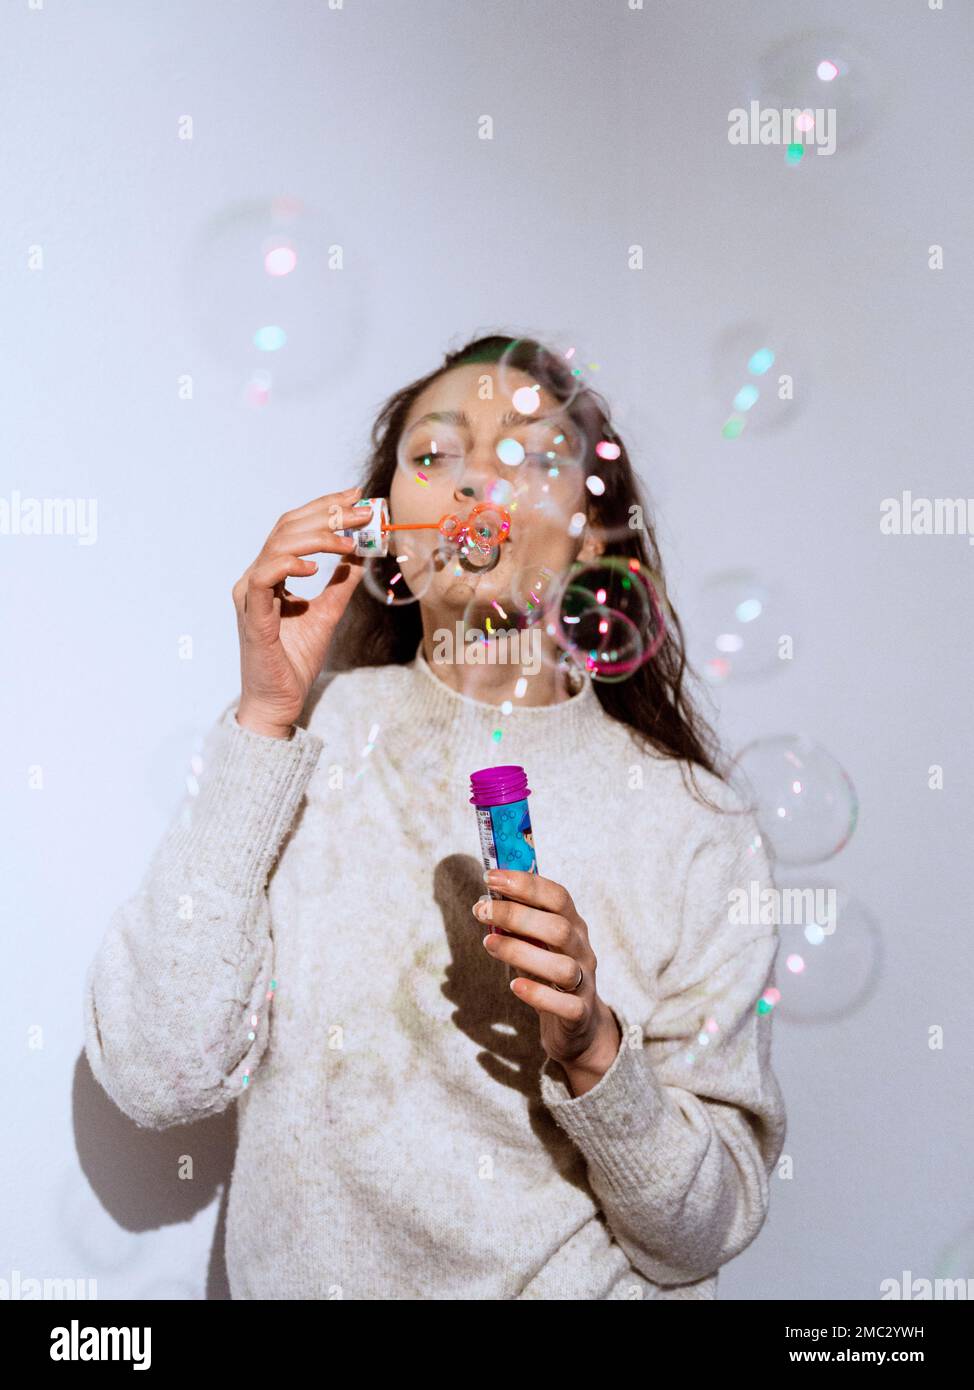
{"x": 461, "y": 418}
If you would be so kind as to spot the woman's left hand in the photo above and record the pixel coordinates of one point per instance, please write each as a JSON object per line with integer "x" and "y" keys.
{"x": 550, "y": 940}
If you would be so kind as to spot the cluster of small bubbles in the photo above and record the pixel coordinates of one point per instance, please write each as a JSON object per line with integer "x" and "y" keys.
{"x": 802, "y": 798}
{"x": 610, "y": 617}
{"x": 482, "y": 538}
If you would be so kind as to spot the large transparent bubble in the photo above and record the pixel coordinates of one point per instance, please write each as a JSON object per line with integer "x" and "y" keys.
{"x": 830, "y": 958}
{"x": 273, "y": 300}
{"x": 734, "y": 628}
{"x": 803, "y": 800}
{"x": 404, "y": 575}
{"x": 522, "y": 380}
{"x": 817, "y": 72}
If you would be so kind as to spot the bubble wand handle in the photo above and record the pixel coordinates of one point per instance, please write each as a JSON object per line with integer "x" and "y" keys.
{"x": 372, "y": 538}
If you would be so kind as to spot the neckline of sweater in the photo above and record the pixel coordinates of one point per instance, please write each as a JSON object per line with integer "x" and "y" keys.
{"x": 449, "y": 715}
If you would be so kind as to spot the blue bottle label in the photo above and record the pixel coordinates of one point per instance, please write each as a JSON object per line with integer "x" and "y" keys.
{"x": 506, "y": 838}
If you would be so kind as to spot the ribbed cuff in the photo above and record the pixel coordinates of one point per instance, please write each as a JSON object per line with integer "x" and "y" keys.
{"x": 617, "y": 1124}
{"x": 250, "y": 789}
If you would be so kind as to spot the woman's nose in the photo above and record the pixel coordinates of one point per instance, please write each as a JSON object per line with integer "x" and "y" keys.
{"x": 475, "y": 478}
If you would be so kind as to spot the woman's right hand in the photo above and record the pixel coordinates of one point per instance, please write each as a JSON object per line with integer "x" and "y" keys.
{"x": 284, "y": 639}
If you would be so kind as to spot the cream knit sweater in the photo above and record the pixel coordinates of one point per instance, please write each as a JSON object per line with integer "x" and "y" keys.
{"x": 303, "y": 944}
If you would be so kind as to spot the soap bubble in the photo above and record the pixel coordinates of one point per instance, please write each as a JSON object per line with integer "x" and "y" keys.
{"x": 271, "y": 300}
{"x": 482, "y": 537}
{"x": 578, "y": 370}
{"x": 835, "y": 955}
{"x": 756, "y": 381}
{"x": 610, "y": 616}
{"x": 519, "y": 598}
{"x": 804, "y": 802}
{"x": 404, "y": 575}
{"x": 734, "y": 628}
{"x": 817, "y": 72}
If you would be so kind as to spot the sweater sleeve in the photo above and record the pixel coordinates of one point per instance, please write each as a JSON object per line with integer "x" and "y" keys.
{"x": 682, "y": 1133}
{"x": 177, "y": 995}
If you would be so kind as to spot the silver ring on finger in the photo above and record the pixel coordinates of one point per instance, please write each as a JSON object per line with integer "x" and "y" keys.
{"x": 575, "y": 987}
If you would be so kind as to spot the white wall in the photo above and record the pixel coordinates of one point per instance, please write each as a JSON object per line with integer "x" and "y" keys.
{"x": 610, "y": 130}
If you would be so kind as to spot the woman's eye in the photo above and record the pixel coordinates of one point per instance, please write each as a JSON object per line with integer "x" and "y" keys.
{"x": 427, "y": 460}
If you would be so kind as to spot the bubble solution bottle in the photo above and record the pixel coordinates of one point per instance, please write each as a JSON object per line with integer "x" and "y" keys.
{"x": 500, "y": 796}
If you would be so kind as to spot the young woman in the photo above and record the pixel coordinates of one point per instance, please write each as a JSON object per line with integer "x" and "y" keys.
{"x": 562, "y": 1093}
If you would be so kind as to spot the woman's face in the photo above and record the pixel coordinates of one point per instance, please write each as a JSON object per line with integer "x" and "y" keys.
{"x": 481, "y": 435}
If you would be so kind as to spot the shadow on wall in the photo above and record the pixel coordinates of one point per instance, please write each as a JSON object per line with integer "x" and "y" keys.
{"x": 134, "y": 1172}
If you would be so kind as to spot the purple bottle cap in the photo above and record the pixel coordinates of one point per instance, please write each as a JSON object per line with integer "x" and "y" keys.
{"x": 494, "y": 786}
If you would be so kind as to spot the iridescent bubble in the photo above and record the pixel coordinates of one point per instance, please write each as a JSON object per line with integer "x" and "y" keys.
{"x": 747, "y": 396}
{"x": 734, "y": 627}
{"x": 575, "y": 367}
{"x": 404, "y": 575}
{"x": 803, "y": 800}
{"x": 522, "y": 600}
{"x": 841, "y": 963}
{"x": 269, "y": 293}
{"x": 818, "y": 72}
{"x": 550, "y": 446}
{"x": 610, "y": 616}
{"x": 483, "y": 537}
